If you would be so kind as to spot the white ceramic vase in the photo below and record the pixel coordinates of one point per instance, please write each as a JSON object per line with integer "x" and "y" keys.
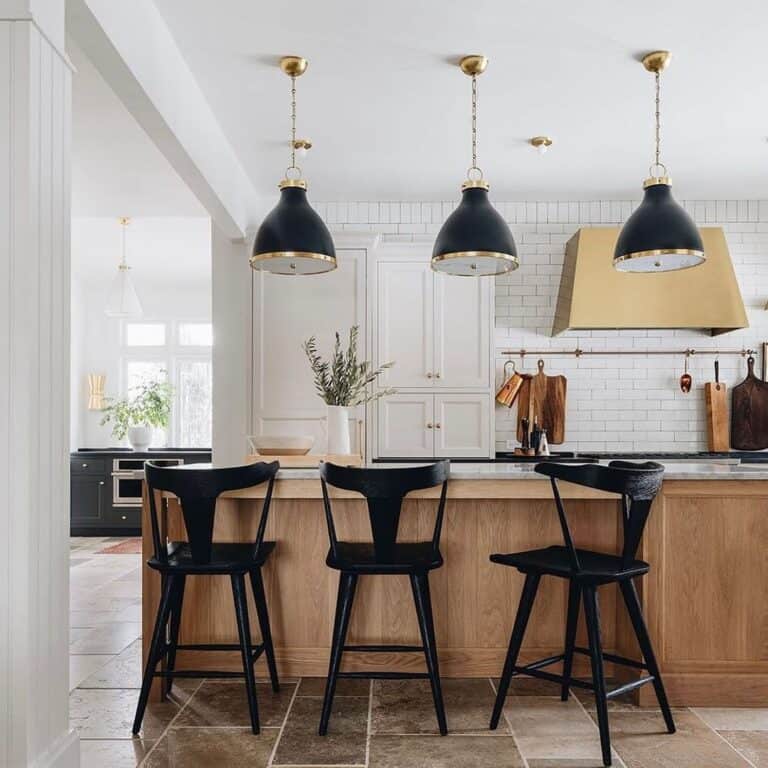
{"x": 140, "y": 437}
{"x": 339, "y": 442}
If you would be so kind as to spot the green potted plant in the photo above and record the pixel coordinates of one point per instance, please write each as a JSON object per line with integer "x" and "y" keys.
{"x": 343, "y": 382}
{"x": 147, "y": 406}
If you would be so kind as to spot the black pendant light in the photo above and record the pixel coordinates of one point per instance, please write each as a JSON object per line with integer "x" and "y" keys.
{"x": 474, "y": 240}
{"x": 659, "y": 236}
{"x": 293, "y": 239}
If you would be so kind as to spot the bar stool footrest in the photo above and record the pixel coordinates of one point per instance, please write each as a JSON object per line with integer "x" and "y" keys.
{"x": 384, "y": 675}
{"x": 612, "y": 657}
{"x": 194, "y": 673}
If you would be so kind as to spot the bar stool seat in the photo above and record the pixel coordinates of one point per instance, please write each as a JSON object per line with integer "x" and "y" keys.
{"x": 596, "y": 567}
{"x": 225, "y": 558}
{"x": 406, "y": 558}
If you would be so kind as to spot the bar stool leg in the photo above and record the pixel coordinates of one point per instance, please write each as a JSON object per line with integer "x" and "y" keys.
{"x": 515, "y": 641}
{"x": 421, "y": 597}
{"x": 246, "y": 650}
{"x": 574, "y": 600}
{"x": 156, "y": 649}
{"x": 178, "y": 601}
{"x": 629, "y": 593}
{"x": 257, "y": 584}
{"x": 592, "y": 611}
{"x": 347, "y": 586}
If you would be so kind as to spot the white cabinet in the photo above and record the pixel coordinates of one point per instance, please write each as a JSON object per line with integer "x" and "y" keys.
{"x": 417, "y": 425}
{"x": 438, "y": 331}
{"x": 435, "y": 327}
{"x": 406, "y": 426}
{"x": 406, "y": 323}
{"x": 462, "y": 425}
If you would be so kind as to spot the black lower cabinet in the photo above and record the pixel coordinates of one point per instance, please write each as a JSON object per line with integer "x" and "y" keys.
{"x": 103, "y": 502}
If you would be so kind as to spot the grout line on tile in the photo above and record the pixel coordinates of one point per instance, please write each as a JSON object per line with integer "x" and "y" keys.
{"x": 173, "y": 720}
{"x": 721, "y": 737}
{"x": 285, "y": 722}
{"x": 509, "y": 726}
{"x": 370, "y": 724}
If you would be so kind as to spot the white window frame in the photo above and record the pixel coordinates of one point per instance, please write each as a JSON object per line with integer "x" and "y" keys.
{"x": 170, "y": 355}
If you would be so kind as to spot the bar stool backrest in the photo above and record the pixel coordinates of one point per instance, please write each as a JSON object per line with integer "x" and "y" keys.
{"x": 197, "y": 489}
{"x": 636, "y": 482}
{"x": 384, "y": 490}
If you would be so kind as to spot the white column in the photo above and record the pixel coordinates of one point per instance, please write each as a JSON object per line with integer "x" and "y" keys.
{"x": 232, "y": 348}
{"x": 35, "y": 118}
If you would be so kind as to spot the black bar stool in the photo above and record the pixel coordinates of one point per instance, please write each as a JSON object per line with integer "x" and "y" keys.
{"x": 384, "y": 490}
{"x": 638, "y": 484}
{"x": 197, "y": 490}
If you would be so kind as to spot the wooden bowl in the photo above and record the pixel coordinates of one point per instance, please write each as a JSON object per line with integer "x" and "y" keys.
{"x": 281, "y": 445}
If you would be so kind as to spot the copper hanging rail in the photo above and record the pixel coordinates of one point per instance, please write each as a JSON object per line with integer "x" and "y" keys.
{"x": 522, "y": 353}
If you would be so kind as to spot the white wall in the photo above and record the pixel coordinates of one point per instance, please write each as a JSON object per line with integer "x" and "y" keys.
{"x": 170, "y": 262}
{"x": 625, "y": 403}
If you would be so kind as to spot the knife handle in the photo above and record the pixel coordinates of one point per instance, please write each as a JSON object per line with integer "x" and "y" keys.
{"x": 717, "y": 371}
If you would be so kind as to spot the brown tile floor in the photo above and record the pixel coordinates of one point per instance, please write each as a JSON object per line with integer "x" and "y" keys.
{"x": 384, "y": 724}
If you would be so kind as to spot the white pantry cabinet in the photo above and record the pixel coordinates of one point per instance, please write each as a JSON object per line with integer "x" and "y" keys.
{"x": 438, "y": 331}
{"x": 418, "y": 425}
{"x": 435, "y": 327}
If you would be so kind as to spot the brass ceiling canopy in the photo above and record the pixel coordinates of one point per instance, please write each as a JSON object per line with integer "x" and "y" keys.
{"x": 474, "y": 240}
{"x": 659, "y": 236}
{"x": 293, "y": 239}
{"x": 540, "y": 143}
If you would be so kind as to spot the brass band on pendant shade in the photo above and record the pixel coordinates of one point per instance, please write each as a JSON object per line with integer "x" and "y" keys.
{"x": 474, "y": 240}
{"x": 659, "y": 236}
{"x": 293, "y": 239}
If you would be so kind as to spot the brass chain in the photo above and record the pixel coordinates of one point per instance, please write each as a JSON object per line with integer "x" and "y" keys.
{"x": 658, "y": 118}
{"x": 293, "y": 121}
{"x": 474, "y": 121}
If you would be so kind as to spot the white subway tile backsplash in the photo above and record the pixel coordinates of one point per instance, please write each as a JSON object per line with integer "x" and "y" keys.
{"x": 617, "y": 403}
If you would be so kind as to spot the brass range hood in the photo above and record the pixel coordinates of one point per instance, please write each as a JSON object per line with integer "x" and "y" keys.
{"x": 595, "y": 296}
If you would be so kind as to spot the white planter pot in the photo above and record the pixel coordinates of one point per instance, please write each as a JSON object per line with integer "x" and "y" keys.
{"x": 338, "y": 430}
{"x": 140, "y": 437}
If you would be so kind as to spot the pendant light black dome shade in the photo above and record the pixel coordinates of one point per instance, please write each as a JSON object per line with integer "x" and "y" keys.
{"x": 293, "y": 239}
{"x": 475, "y": 240}
{"x": 659, "y": 236}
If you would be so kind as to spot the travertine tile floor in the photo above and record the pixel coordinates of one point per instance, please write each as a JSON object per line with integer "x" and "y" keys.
{"x": 387, "y": 724}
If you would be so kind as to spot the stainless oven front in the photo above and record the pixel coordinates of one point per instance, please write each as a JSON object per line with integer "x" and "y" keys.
{"x": 127, "y": 476}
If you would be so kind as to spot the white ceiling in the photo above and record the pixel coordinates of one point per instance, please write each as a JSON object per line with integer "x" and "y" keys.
{"x": 116, "y": 169}
{"x": 389, "y": 115}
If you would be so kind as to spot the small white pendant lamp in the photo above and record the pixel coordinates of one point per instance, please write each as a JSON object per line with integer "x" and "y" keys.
{"x": 122, "y": 300}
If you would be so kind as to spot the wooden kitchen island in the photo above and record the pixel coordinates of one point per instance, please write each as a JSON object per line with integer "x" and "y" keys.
{"x": 705, "y": 599}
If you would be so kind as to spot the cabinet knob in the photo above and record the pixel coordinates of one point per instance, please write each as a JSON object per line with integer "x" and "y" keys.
{"x": 429, "y": 425}
{"x": 101, "y": 482}
{"x": 429, "y": 375}
{"x": 438, "y": 425}
{"x": 123, "y": 517}
{"x": 437, "y": 375}
{"x": 85, "y": 466}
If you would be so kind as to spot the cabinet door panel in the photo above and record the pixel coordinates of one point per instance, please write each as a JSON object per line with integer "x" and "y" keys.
{"x": 88, "y": 499}
{"x": 404, "y": 426}
{"x": 462, "y": 331}
{"x": 405, "y": 323}
{"x": 462, "y": 426}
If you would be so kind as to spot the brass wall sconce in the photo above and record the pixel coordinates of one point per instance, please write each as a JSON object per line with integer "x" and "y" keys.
{"x": 96, "y": 383}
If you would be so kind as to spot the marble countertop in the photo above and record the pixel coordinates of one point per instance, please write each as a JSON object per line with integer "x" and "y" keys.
{"x": 696, "y": 470}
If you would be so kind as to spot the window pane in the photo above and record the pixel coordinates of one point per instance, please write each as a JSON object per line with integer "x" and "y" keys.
{"x": 140, "y": 371}
{"x": 195, "y": 334}
{"x": 144, "y": 334}
{"x": 194, "y": 403}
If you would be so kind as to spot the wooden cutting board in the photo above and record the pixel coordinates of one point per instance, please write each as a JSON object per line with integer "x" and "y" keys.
{"x": 717, "y": 413}
{"x": 543, "y": 397}
{"x": 749, "y": 412}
